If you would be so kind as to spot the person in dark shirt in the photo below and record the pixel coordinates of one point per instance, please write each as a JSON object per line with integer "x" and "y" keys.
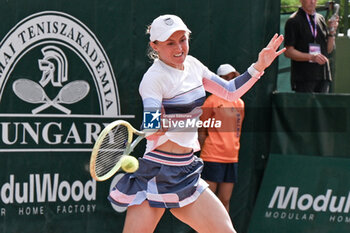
{"x": 309, "y": 41}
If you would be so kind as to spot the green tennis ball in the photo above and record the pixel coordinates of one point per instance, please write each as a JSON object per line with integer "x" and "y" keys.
{"x": 129, "y": 163}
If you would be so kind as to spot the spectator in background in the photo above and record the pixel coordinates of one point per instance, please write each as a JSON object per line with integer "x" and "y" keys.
{"x": 309, "y": 41}
{"x": 220, "y": 146}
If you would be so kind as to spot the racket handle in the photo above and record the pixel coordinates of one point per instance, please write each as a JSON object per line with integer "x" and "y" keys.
{"x": 41, "y": 108}
{"x": 46, "y": 105}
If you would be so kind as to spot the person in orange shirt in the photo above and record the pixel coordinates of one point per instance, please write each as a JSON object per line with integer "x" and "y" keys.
{"x": 220, "y": 146}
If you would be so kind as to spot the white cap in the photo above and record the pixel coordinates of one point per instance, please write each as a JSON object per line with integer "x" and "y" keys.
{"x": 225, "y": 69}
{"x": 164, "y": 26}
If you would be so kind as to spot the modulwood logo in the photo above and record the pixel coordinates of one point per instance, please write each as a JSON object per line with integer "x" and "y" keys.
{"x": 288, "y": 203}
{"x": 294, "y": 200}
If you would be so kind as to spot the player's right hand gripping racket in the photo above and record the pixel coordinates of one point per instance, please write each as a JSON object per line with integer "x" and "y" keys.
{"x": 114, "y": 142}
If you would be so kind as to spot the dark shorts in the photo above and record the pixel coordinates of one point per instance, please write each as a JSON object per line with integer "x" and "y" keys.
{"x": 220, "y": 172}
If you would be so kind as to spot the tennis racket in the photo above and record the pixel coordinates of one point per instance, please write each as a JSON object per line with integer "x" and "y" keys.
{"x": 69, "y": 94}
{"x": 114, "y": 142}
{"x": 32, "y": 92}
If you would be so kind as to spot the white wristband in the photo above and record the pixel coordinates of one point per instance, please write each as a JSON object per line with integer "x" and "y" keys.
{"x": 254, "y": 73}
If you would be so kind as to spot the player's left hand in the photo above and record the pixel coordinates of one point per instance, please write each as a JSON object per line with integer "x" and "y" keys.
{"x": 268, "y": 54}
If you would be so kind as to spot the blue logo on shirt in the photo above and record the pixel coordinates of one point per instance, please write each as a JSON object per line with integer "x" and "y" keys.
{"x": 151, "y": 119}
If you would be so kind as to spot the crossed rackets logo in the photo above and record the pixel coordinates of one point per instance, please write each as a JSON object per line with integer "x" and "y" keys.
{"x": 32, "y": 92}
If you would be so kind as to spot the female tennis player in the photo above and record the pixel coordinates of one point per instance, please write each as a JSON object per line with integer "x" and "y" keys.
{"x": 169, "y": 172}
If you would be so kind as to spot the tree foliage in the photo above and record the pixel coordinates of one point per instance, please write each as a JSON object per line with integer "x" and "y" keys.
{"x": 288, "y": 6}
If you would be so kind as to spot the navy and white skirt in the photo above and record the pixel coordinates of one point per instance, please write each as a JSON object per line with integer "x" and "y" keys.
{"x": 165, "y": 180}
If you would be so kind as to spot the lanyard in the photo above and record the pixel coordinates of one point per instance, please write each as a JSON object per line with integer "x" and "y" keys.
{"x": 313, "y": 30}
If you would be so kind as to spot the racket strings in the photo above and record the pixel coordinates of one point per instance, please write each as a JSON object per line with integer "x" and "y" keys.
{"x": 111, "y": 149}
